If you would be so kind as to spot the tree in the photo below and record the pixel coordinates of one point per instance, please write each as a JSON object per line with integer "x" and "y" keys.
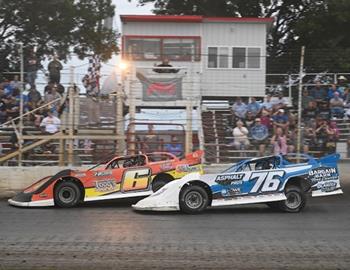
{"x": 320, "y": 25}
{"x": 55, "y": 26}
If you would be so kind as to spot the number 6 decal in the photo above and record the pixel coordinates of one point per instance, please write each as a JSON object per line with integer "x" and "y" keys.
{"x": 137, "y": 179}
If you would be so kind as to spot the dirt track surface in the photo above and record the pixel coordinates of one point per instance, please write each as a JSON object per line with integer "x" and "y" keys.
{"x": 111, "y": 236}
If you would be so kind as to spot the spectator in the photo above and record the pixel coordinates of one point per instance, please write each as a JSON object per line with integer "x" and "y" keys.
{"x": 310, "y": 112}
{"x": 32, "y": 66}
{"x": 336, "y": 105}
{"x": 51, "y": 96}
{"x": 55, "y": 68}
{"x": 266, "y": 119}
{"x": 306, "y": 99}
{"x": 322, "y": 132}
{"x": 151, "y": 140}
{"x": 165, "y": 63}
{"x": 15, "y": 83}
{"x": 174, "y": 146}
{"x": 331, "y": 92}
{"x": 267, "y": 104}
{"x": 92, "y": 93}
{"x": 34, "y": 98}
{"x": 240, "y": 136}
{"x": 239, "y": 108}
{"x": 249, "y": 120}
{"x": 280, "y": 119}
{"x": 279, "y": 142}
{"x": 50, "y": 123}
{"x": 259, "y": 133}
{"x": 254, "y": 106}
{"x": 280, "y": 102}
{"x": 342, "y": 83}
{"x": 323, "y": 110}
{"x": 318, "y": 92}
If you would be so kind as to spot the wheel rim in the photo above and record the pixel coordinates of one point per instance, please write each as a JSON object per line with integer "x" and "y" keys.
{"x": 293, "y": 200}
{"x": 67, "y": 194}
{"x": 193, "y": 199}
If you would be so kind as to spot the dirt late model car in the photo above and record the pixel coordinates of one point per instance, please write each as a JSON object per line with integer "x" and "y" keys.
{"x": 122, "y": 177}
{"x": 278, "y": 181}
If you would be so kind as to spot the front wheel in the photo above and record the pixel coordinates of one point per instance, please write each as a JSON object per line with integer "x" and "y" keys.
{"x": 193, "y": 200}
{"x": 295, "y": 202}
{"x": 67, "y": 194}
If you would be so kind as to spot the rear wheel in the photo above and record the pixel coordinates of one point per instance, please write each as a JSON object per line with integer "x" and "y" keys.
{"x": 296, "y": 200}
{"x": 67, "y": 194}
{"x": 193, "y": 200}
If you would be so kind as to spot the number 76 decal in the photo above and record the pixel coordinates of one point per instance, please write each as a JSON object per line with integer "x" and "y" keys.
{"x": 266, "y": 181}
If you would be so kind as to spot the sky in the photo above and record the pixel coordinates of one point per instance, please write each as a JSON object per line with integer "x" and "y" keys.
{"x": 123, "y": 7}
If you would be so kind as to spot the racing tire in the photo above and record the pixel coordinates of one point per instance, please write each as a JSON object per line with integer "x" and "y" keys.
{"x": 158, "y": 184}
{"x": 193, "y": 200}
{"x": 67, "y": 194}
{"x": 295, "y": 202}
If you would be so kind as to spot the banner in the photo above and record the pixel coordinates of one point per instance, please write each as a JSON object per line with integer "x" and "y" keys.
{"x": 160, "y": 88}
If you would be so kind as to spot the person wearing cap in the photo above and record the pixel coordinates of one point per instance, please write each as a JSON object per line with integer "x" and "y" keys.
{"x": 259, "y": 133}
{"x": 336, "y": 104}
{"x": 280, "y": 119}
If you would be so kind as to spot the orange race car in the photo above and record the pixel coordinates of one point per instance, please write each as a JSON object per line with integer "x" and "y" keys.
{"x": 122, "y": 177}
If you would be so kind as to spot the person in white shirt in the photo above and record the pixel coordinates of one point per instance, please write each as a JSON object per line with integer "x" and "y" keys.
{"x": 50, "y": 123}
{"x": 240, "y": 136}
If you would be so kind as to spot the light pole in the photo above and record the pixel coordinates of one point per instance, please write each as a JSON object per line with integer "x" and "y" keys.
{"x": 20, "y": 141}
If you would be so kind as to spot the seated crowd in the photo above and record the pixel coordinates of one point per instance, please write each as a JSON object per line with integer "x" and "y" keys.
{"x": 270, "y": 126}
{"x": 45, "y": 119}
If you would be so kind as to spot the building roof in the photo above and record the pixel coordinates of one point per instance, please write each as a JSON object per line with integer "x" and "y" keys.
{"x": 192, "y": 19}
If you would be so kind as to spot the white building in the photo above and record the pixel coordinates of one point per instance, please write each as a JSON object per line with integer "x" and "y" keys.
{"x": 221, "y": 57}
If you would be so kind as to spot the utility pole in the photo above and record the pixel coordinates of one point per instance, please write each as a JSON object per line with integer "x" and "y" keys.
{"x": 299, "y": 98}
{"x": 20, "y": 141}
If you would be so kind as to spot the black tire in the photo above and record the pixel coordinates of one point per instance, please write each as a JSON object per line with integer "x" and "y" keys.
{"x": 296, "y": 200}
{"x": 67, "y": 194}
{"x": 161, "y": 180}
{"x": 158, "y": 184}
{"x": 193, "y": 200}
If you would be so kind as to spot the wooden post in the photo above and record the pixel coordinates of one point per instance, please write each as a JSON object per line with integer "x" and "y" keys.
{"x": 120, "y": 121}
{"x": 20, "y": 141}
{"x": 132, "y": 112}
{"x": 189, "y": 134}
{"x": 71, "y": 118}
{"x": 299, "y": 99}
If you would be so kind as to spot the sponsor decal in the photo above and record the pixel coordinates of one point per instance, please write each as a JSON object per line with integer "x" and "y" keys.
{"x": 229, "y": 192}
{"x": 105, "y": 185}
{"x": 166, "y": 166}
{"x": 103, "y": 173}
{"x": 230, "y": 179}
{"x": 323, "y": 174}
{"x": 327, "y": 186}
{"x": 186, "y": 168}
{"x": 42, "y": 195}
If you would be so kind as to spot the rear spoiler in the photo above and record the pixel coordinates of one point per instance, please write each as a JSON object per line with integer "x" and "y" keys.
{"x": 329, "y": 160}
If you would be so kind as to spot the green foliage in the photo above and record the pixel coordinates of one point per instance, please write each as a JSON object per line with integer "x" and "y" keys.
{"x": 320, "y": 25}
{"x": 55, "y": 26}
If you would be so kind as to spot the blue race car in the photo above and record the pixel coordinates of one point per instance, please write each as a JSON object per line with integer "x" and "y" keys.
{"x": 280, "y": 181}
